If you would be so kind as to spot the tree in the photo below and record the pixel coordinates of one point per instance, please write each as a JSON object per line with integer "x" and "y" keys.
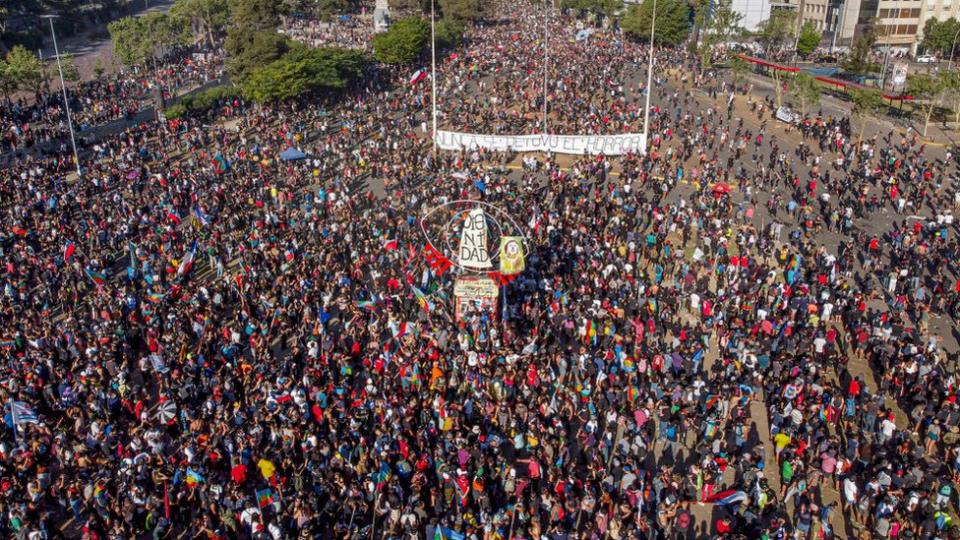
{"x": 809, "y": 38}
{"x": 938, "y": 36}
{"x": 328, "y": 8}
{"x": 464, "y": 10}
{"x": 409, "y": 7}
{"x": 867, "y": 104}
{"x": 858, "y": 61}
{"x": 739, "y": 67}
{"x": 403, "y": 42}
{"x": 98, "y": 68}
{"x": 926, "y": 91}
{"x": 302, "y": 71}
{"x": 70, "y": 71}
{"x": 673, "y": 21}
{"x": 776, "y": 30}
{"x": 719, "y": 22}
{"x": 206, "y": 18}
{"x": 951, "y": 83}
{"x": 138, "y": 40}
{"x": 806, "y": 90}
{"x": 449, "y": 33}
{"x": 252, "y": 39}
{"x": 23, "y": 69}
{"x": 129, "y": 39}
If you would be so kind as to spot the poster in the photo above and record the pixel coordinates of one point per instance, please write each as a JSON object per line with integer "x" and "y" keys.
{"x": 473, "y": 252}
{"x": 511, "y": 255}
{"x": 475, "y": 294}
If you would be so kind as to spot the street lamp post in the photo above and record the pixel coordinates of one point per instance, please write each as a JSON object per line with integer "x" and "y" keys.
{"x": 646, "y": 109}
{"x": 63, "y": 86}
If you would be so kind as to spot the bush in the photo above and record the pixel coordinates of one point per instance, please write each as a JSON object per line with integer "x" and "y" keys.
{"x": 201, "y": 102}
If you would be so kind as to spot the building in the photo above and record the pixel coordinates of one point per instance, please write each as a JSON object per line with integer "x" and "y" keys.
{"x": 899, "y": 23}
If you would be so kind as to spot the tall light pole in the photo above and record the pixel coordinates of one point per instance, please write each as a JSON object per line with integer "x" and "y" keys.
{"x": 433, "y": 72}
{"x": 546, "y": 58}
{"x": 646, "y": 109}
{"x": 63, "y": 86}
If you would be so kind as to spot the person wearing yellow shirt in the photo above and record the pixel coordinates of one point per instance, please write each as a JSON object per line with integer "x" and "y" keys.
{"x": 780, "y": 441}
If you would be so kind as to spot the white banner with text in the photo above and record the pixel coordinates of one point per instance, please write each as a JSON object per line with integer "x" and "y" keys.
{"x": 610, "y": 145}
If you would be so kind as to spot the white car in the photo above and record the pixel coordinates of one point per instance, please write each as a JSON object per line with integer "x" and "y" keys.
{"x": 926, "y": 59}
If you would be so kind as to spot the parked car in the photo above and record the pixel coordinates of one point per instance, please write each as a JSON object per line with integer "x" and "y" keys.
{"x": 926, "y": 59}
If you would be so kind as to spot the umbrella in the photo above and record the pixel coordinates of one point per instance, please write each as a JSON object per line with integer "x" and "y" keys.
{"x": 292, "y": 154}
{"x": 721, "y": 188}
{"x": 166, "y": 411}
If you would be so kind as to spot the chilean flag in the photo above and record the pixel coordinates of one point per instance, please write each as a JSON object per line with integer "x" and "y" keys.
{"x": 727, "y": 497}
{"x": 418, "y": 76}
{"x": 68, "y": 250}
{"x": 173, "y": 216}
{"x": 187, "y": 262}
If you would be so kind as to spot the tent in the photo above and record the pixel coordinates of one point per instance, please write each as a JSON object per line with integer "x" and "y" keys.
{"x": 292, "y": 154}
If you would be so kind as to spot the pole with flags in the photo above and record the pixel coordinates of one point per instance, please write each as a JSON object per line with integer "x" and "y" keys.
{"x": 646, "y": 110}
{"x": 433, "y": 73}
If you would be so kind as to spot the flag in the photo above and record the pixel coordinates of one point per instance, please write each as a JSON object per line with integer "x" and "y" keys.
{"x": 220, "y": 163}
{"x": 19, "y": 231}
{"x": 133, "y": 255}
{"x": 726, "y": 497}
{"x": 421, "y": 299}
{"x": 187, "y": 261}
{"x": 166, "y": 501}
{"x": 366, "y": 304}
{"x": 156, "y": 297}
{"x": 590, "y": 330}
{"x": 193, "y": 478}
{"x": 443, "y": 533}
{"x": 173, "y": 216}
{"x": 389, "y": 245}
{"x": 21, "y": 413}
{"x": 201, "y": 216}
{"x": 97, "y": 278}
{"x": 418, "y": 76}
{"x": 265, "y": 497}
{"x": 68, "y": 250}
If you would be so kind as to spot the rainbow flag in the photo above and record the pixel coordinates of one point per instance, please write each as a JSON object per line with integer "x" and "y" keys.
{"x": 193, "y": 478}
{"x": 156, "y": 297}
{"x": 421, "y": 299}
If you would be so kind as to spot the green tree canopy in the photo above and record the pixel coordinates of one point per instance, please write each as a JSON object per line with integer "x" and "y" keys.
{"x": 70, "y": 71}
{"x": 403, "y": 42}
{"x": 867, "y": 104}
{"x": 464, "y": 10}
{"x": 303, "y": 71}
{"x": 22, "y": 69}
{"x": 809, "y": 38}
{"x": 776, "y": 30}
{"x": 449, "y": 33}
{"x": 252, "y": 39}
{"x": 205, "y": 18}
{"x": 137, "y": 40}
{"x": 858, "y": 61}
{"x": 927, "y": 90}
{"x": 938, "y": 36}
{"x": 673, "y": 21}
{"x": 805, "y": 89}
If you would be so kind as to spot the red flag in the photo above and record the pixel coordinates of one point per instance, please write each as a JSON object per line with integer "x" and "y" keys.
{"x": 166, "y": 501}
{"x": 68, "y": 250}
{"x": 389, "y": 245}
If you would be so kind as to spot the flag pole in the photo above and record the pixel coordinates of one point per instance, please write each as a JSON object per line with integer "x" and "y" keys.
{"x": 546, "y": 59}
{"x": 646, "y": 110}
{"x": 433, "y": 74}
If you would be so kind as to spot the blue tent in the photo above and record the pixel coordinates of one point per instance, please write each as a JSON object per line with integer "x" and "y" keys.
{"x": 292, "y": 154}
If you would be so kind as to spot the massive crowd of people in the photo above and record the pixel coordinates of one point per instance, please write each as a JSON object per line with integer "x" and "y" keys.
{"x": 203, "y": 340}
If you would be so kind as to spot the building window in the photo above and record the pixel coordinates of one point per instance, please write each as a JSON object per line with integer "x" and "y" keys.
{"x": 884, "y": 13}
